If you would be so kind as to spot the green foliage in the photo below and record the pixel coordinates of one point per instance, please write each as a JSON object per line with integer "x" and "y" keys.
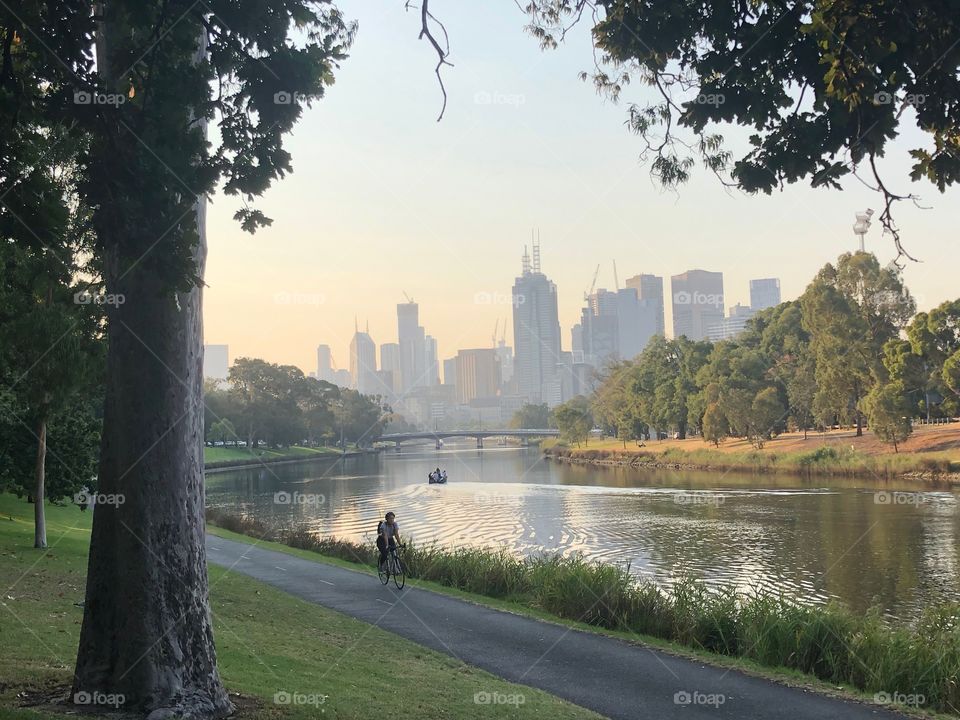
{"x": 888, "y": 411}
{"x": 715, "y": 425}
{"x": 531, "y": 417}
{"x": 574, "y": 419}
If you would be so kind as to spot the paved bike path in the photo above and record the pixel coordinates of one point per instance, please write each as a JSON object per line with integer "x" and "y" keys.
{"x": 610, "y": 676}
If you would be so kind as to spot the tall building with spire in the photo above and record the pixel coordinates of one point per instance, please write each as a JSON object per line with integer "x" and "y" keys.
{"x": 363, "y": 362}
{"x": 536, "y": 333}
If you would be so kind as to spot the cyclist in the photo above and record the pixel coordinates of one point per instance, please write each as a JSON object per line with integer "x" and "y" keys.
{"x": 388, "y": 536}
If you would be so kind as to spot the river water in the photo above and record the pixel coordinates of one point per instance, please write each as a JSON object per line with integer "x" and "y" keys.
{"x": 865, "y": 543}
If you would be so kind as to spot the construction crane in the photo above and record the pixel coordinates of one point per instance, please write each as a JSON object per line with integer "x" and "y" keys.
{"x": 409, "y": 299}
{"x": 616, "y": 281}
{"x": 495, "y": 326}
{"x": 586, "y": 295}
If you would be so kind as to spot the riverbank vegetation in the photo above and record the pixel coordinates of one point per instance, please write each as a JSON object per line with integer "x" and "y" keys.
{"x": 839, "y": 453}
{"x": 829, "y": 642}
{"x": 271, "y": 647}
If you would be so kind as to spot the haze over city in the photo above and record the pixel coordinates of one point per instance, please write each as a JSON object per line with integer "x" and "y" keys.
{"x": 384, "y": 201}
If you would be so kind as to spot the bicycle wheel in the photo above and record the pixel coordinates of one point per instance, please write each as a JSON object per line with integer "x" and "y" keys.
{"x": 383, "y": 571}
{"x": 399, "y": 577}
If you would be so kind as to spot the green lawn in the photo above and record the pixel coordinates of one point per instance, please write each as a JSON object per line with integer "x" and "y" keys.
{"x": 225, "y": 454}
{"x": 268, "y": 642}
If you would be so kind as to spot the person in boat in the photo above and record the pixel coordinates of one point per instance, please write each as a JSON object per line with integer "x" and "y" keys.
{"x": 443, "y": 476}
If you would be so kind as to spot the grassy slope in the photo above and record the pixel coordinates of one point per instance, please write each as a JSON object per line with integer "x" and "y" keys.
{"x": 222, "y": 454}
{"x": 930, "y": 447}
{"x": 267, "y": 641}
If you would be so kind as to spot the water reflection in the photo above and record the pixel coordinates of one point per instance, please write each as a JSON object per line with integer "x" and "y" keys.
{"x": 816, "y": 539}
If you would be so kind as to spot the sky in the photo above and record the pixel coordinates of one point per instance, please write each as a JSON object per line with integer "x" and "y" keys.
{"x": 386, "y": 201}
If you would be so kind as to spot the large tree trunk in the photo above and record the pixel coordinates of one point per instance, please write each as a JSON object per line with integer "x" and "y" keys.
{"x": 146, "y": 635}
{"x": 146, "y": 627}
{"x": 39, "y": 515}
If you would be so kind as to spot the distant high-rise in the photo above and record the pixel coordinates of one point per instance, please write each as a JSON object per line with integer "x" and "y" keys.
{"x": 413, "y": 347}
{"x": 650, "y": 291}
{"x": 363, "y": 363}
{"x": 432, "y": 361}
{"x": 614, "y": 325}
{"x": 450, "y": 371}
{"x": 390, "y": 357}
{"x": 342, "y": 378}
{"x": 536, "y": 332}
{"x": 697, "y": 303}
{"x": 764, "y": 293}
{"x": 216, "y": 362}
{"x": 324, "y": 364}
{"x": 731, "y": 326}
{"x": 478, "y": 374}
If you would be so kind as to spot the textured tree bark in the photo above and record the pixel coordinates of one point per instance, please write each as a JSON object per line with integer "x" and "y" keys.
{"x": 146, "y": 642}
{"x": 39, "y": 514}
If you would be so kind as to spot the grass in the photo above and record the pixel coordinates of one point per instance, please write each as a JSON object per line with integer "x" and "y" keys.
{"x": 267, "y": 642}
{"x": 829, "y": 643}
{"x": 217, "y": 455}
{"x": 814, "y": 458}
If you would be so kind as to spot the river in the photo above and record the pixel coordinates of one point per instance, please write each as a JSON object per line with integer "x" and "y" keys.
{"x": 864, "y": 543}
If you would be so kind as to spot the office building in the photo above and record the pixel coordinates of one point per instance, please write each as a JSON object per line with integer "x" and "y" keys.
{"x": 432, "y": 366}
{"x": 413, "y": 347}
{"x": 536, "y": 332}
{"x": 390, "y": 357}
{"x": 764, "y": 293}
{"x": 450, "y": 371}
{"x": 324, "y": 364}
{"x": 697, "y": 303}
{"x": 731, "y": 326}
{"x": 650, "y": 291}
{"x": 614, "y": 325}
{"x": 216, "y": 362}
{"x": 363, "y": 363}
{"x": 478, "y": 375}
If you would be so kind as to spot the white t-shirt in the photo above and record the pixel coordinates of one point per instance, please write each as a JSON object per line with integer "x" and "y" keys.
{"x": 390, "y": 529}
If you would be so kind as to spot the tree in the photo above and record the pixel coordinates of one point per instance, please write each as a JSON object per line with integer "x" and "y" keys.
{"x": 574, "y": 420}
{"x": 531, "y": 417}
{"x": 850, "y": 311}
{"x": 951, "y": 373}
{"x": 934, "y": 337}
{"x": 136, "y": 83}
{"x": 887, "y": 410}
{"x": 766, "y": 414}
{"x": 822, "y": 86}
{"x": 715, "y": 427}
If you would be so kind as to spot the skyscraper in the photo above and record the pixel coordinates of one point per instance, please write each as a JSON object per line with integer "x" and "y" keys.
{"x": 216, "y": 362}
{"x": 650, "y": 291}
{"x": 536, "y": 332}
{"x": 363, "y": 363}
{"x": 697, "y": 303}
{"x": 413, "y": 347}
{"x": 614, "y": 325}
{"x": 764, "y": 293}
{"x": 324, "y": 364}
{"x": 478, "y": 374}
{"x": 390, "y": 357}
{"x": 432, "y": 361}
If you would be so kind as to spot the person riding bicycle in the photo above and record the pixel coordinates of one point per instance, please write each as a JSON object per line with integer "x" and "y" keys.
{"x": 388, "y": 536}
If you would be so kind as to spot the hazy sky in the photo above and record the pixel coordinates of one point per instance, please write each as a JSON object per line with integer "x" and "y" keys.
{"x": 384, "y": 200}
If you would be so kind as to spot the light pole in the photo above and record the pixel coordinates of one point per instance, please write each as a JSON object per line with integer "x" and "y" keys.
{"x": 861, "y": 226}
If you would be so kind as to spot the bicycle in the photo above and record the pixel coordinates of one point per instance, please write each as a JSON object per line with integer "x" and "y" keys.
{"x": 393, "y": 567}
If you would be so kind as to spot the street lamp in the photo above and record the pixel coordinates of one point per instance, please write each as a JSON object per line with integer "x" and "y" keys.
{"x": 861, "y": 226}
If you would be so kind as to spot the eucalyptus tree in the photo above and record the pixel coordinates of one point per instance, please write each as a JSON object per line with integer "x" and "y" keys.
{"x": 136, "y": 82}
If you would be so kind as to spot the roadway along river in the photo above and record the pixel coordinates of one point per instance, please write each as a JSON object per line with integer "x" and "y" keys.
{"x": 896, "y": 545}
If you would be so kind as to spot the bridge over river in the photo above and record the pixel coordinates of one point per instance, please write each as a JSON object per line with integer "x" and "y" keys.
{"x": 438, "y": 436}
